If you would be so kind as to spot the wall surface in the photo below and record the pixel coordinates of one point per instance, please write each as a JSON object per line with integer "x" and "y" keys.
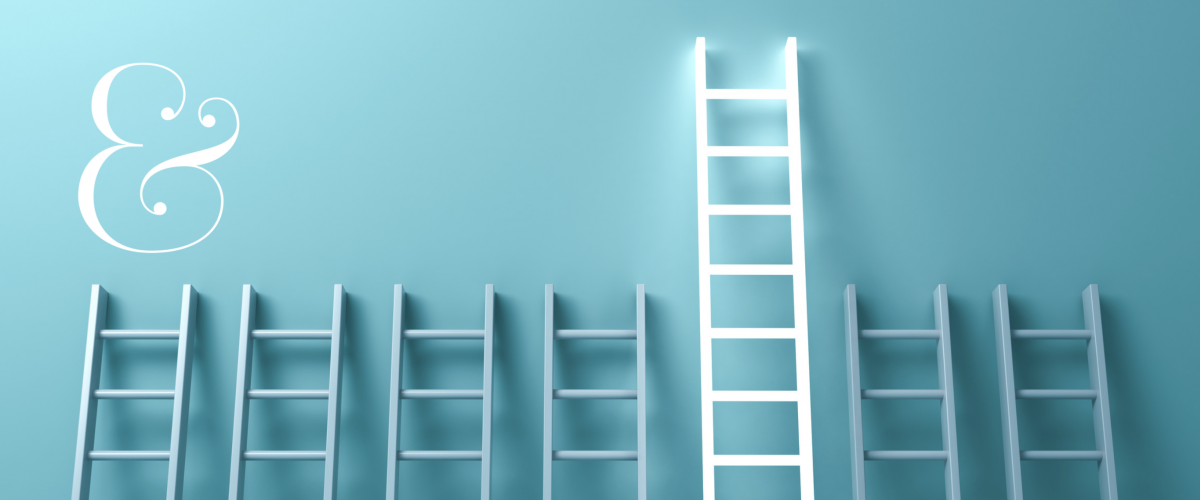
{"x": 447, "y": 145}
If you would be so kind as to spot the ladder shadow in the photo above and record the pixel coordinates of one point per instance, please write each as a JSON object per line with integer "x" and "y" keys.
{"x": 1132, "y": 435}
{"x": 357, "y": 471}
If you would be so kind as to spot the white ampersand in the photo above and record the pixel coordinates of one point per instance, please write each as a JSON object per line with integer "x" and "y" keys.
{"x": 87, "y": 183}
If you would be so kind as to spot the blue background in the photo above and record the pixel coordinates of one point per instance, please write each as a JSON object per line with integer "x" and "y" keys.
{"x": 450, "y": 144}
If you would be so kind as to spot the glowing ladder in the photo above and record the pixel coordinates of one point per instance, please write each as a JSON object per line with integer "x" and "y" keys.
{"x": 399, "y": 333}
{"x": 799, "y": 332}
{"x": 549, "y": 394}
{"x": 1098, "y": 393}
{"x": 944, "y": 392}
{"x": 84, "y": 454}
{"x": 241, "y": 410}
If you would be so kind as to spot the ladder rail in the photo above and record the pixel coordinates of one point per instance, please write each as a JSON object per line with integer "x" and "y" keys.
{"x": 183, "y": 389}
{"x": 334, "y": 407}
{"x": 97, "y": 316}
{"x": 393, "y": 451}
{"x": 941, "y": 304}
{"x": 241, "y": 407}
{"x": 1097, "y": 369}
{"x": 799, "y": 272}
{"x": 1008, "y": 394}
{"x": 641, "y": 391}
{"x": 548, "y": 399}
{"x": 795, "y": 211}
{"x": 702, "y": 189}
{"x": 485, "y": 468}
{"x": 858, "y": 457}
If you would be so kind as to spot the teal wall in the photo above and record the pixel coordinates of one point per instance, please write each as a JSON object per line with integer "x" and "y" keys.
{"x": 453, "y": 144}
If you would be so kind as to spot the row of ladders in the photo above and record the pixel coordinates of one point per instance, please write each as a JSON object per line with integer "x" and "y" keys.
{"x": 549, "y": 454}
{"x": 97, "y": 333}
{"x": 241, "y": 407}
{"x": 399, "y": 393}
{"x": 1098, "y": 394}
{"x": 799, "y": 332}
{"x": 944, "y": 393}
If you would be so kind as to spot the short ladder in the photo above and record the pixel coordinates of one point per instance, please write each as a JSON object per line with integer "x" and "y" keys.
{"x": 799, "y": 332}
{"x": 944, "y": 392}
{"x": 399, "y": 334}
{"x": 1098, "y": 394}
{"x": 241, "y": 408}
{"x": 84, "y": 454}
{"x": 549, "y": 454}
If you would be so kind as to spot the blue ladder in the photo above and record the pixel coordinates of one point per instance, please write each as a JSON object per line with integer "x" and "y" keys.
{"x": 241, "y": 410}
{"x": 944, "y": 392}
{"x": 549, "y": 394}
{"x": 399, "y": 333}
{"x": 1098, "y": 394}
{"x": 97, "y": 333}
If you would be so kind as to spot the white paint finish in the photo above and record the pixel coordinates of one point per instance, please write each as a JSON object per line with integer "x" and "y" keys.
{"x": 799, "y": 332}
{"x": 87, "y": 182}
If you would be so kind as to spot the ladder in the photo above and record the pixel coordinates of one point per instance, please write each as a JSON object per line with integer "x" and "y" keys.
{"x": 799, "y": 332}
{"x": 241, "y": 408}
{"x": 1098, "y": 394}
{"x": 549, "y": 394}
{"x": 399, "y": 333}
{"x": 96, "y": 334}
{"x": 944, "y": 393}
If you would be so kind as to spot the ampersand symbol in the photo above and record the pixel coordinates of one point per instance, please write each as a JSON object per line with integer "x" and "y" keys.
{"x": 87, "y": 183}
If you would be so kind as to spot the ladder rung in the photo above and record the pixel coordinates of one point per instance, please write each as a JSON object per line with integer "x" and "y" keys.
{"x": 594, "y": 455}
{"x": 444, "y": 334}
{"x": 903, "y": 394}
{"x": 750, "y": 209}
{"x": 292, "y": 334}
{"x": 441, "y": 394}
{"x": 1062, "y": 455}
{"x": 139, "y": 334}
{"x": 748, "y": 150}
{"x": 1052, "y": 334}
{"x": 439, "y": 455}
{"x": 1056, "y": 394}
{"x": 745, "y": 94}
{"x": 595, "y": 334}
{"x": 751, "y": 333}
{"x": 906, "y": 455}
{"x": 755, "y": 396}
{"x": 751, "y": 269}
{"x": 759, "y": 460}
{"x": 129, "y": 455}
{"x": 284, "y": 455}
{"x": 901, "y": 334}
{"x": 287, "y": 394}
{"x": 595, "y": 394}
{"x": 133, "y": 394}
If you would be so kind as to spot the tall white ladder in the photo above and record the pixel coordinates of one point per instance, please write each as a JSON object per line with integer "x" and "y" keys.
{"x": 241, "y": 407}
{"x": 549, "y": 394}
{"x": 96, "y": 334}
{"x": 944, "y": 393}
{"x": 399, "y": 334}
{"x": 1097, "y": 394}
{"x": 799, "y": 332}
